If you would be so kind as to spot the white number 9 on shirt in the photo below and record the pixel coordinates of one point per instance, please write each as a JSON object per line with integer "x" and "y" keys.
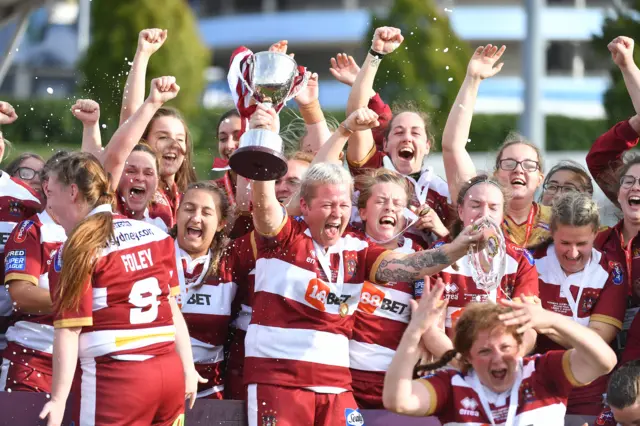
{"x": 144, "y": 295}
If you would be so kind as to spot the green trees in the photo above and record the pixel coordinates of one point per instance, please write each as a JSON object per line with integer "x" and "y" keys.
{"x": 624, "y": 23}
{"x": 115, "y": 25}
{"x": 431, "y": 63}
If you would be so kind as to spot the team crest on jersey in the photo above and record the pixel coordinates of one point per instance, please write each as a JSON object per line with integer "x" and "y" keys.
{"x": 617, "y": 275}
{"x": 351, "y": 267}
{"x": 589, "y": 298}
{"x": 269, "y": 418}
{"x": 21, "y": 235}
{"x": 528, "y": 393}
{"x": 606, "y": 418}
{"x": 16, "y": 208}
{"x": 353, "y": 417}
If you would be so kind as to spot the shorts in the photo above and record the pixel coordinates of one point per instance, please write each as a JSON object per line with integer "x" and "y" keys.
{"x": 15, "y": 377}
{"x": 130, "y": 393}
{"x": 271, "y": 405}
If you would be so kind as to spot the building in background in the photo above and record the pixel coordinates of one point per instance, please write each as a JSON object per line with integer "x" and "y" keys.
{"x": 318, "y": 29}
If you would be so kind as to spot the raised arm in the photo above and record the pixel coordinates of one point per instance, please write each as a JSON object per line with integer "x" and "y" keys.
{"x": 149, "y": 41}
{"x": 621, "y": 49}
{"x": 458, "y": 165}
{"x": 402, "y": 394}
{"x": 268, "y": 213}
{"x": 385, "y": 41}
{"x": 88, "y": 112}
{"x": 398, "y": 267}
{"x": 590, "y": 358}
{"x": 115, "y": 155}
{"x": 360, "y": 120}
{"x": 317, "y": 129}
{"x": 7, "y": 113}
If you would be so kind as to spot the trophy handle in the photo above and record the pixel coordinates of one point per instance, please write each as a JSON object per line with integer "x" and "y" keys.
{"x": 298, "y": 88}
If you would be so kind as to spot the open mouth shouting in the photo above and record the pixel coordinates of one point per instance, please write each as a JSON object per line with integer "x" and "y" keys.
{"x": 387, "y": 222}
{"x": 406, "y": 152}
{"x": 634, "y": 200}
{"x": 137, "y": 193}
{"x": 518, "y": 182}
{"x": 332, "y": 229}
{"x": 499, "y": 374}
{"x": 193, "y": 232}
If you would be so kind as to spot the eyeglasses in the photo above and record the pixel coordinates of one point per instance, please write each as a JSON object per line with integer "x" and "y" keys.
{"x": 26, "y": 173}
{"x": 527, "y": 165}
{"x": 553, "y": 189}
{"x": 628, "y": 181}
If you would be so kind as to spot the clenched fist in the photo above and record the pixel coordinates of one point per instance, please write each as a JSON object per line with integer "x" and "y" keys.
{"x": 7, "y": 113}
{"x": 386, "y": 40}
{"x": 621, "y": 49}
{"x": 87, "y": 111}
{"x": 361, "y": 119}
{"x": 150, "y": 40}
{"x": 163, "y": 89}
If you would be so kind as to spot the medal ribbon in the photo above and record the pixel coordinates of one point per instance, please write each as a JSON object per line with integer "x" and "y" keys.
{"x": 529, "y": 228}
{"x": 325, "y": 263}
{"x": 565, "y": 287}
{"x": 513, "y": 397}
{"x": 181, "y": 278}
{"x": 228, "y": 187}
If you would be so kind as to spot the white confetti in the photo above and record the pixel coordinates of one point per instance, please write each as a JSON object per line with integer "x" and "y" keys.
{"x": 450, "y": 78}
{"x": 49, "y": 90}
{"x": 447, "y": 67}
{"x": 446, "y": 50}
{"x": 448, "y": 10}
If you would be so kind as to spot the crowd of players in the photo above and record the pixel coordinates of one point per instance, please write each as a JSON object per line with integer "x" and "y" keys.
{"x": 345, "y": 285}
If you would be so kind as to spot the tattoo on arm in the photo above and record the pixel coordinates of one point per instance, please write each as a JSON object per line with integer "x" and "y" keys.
{"x": 411, "y": 267}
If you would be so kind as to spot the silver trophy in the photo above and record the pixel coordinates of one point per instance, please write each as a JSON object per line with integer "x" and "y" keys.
{"x": 488, "y": 266}
{"x": 273, "y": 79}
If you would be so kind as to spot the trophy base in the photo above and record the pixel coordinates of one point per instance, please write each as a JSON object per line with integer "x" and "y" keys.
{"x": 258, "y": 163}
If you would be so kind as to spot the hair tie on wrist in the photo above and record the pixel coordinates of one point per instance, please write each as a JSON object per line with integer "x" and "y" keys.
{"x": 376, "y": 53}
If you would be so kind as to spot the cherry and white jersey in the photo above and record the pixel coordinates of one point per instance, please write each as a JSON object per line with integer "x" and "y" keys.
{"x": 122, "y": 209}
{"x": 521, "y": 278}
{"x": 124, "y": 311}
{"x": 597, "y": 293}
{"x": 244, "y": 252}
{"x": 207, "y": 310}
{"x": 165, "y": 207}
{"x": 17, "y": 202}
{"x": 302, "y": 320}
{"x": 546, "y": 383}
{"x": 380, "y": 320}
{"x": 29, "y": 251}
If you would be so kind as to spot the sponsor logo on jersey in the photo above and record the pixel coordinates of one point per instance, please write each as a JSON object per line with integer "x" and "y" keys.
{"x": 353, "y": 417}
{"x": 21, "y": 235}
{"x": 543, "y": 225}
{"x": 16, "y": 208}
{"x": 526, "y": 253}
{"x": 373, "y": 298}
{"x": 617, "y": 275}
{"x": 199, "y": 299}
{"x": 418, "y": 288}
{"x": 469, "y": 406}
{"x": 57, "y": 261}
{"x": 438, "y": 244}
{"x": 319, "y": 295}
{"x": 15, "y": 260}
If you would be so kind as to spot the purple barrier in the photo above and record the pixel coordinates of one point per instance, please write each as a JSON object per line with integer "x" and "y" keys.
{"x": 22, "y": 409}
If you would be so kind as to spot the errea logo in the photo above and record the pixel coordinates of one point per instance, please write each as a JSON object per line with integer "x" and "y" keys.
{"x": 469, "y": 406}
{"x": 451, "y": 291}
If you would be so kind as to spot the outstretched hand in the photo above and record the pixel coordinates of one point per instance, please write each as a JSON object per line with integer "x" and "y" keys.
{"x": 483, "y": 62}
{"x": 527, "y": 313}
{"x": 426, "y": 314}
{"x": 344, "y": 69}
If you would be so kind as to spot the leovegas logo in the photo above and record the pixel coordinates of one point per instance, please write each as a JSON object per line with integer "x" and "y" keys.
{"x": 371, "y": 298}
{"x": 316, "y": 295}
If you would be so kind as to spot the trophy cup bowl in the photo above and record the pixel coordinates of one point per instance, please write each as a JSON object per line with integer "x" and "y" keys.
{"x": 259, "y": 156}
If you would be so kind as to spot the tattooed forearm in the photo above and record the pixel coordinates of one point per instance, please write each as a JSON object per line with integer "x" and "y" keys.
{"x": 402, "y": 268}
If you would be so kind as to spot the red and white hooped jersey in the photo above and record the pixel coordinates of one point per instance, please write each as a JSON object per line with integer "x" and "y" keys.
{"x": 244, "y": 252}
{"x": 521, "y": 278}
{"x": 603, "y": 298}
{"x": 297, "y": 336}
{"x": 165, "y": 207}
{"x": 207, "y": 311}
{"x": 29, "y": 252}
{"x": 124, "y": 311}
{"x": 146, "y": 216}
{"x": 546, "y": 383}
{"x": 17, "y": 203}
{"x": 379, "y": 322}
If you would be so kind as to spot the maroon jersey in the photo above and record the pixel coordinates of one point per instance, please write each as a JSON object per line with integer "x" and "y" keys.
{"x": 597, "y": 293}
{"x": 17, "y": 202}
{"x": 124, "y": 309}
{"x": 520, "y": 279}
{"x": 546, "y": 383}
{"x": 28, "y": 256}
{"x": 302, "y": 319}
{"x": 164, "y": 206}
